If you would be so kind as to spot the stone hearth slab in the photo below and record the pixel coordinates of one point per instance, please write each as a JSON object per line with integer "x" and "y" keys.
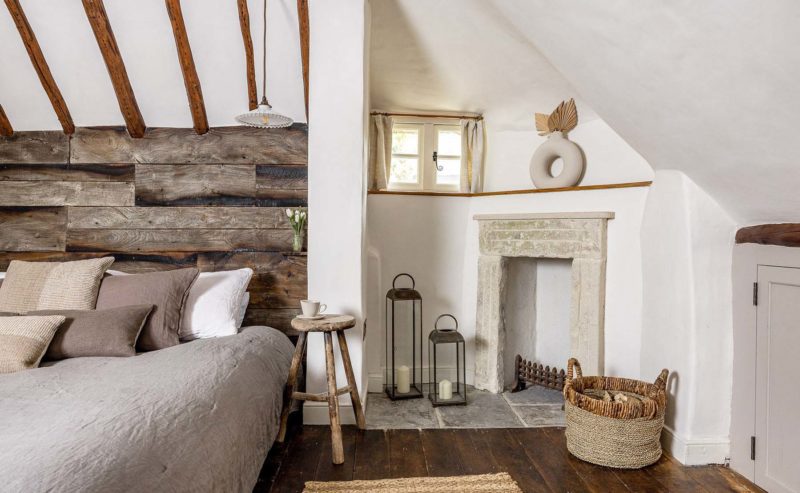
{"x": 535, "y": 395}
{"x": 539, "y": 416}
{"x": 483, "y": 410}
{"x": 384, "y": 413}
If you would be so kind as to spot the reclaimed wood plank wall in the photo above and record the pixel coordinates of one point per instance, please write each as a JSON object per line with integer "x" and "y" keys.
{"x": 169, "y": 200}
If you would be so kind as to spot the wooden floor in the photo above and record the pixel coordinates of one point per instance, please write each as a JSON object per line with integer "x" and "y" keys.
{"x": 536, "y": 458}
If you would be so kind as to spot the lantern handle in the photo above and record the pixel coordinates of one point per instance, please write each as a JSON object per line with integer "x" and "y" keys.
{"x": 413, "y": 283}
{"x": 436, "y": 324}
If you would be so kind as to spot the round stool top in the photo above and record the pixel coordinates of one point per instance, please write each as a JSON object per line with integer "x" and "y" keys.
{"x": 327, "y": 323}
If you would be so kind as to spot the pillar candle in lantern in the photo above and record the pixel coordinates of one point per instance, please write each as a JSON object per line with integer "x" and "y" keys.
{"x": 403, "y": 380}
{"x": 445, "y": 390}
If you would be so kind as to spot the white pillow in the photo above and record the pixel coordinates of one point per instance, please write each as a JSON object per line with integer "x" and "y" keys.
{"x": 213, "y": 305}
{"x": 242, "y": 309}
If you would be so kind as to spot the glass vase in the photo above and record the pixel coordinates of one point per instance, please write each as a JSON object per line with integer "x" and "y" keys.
{"x": 297, "y": 241}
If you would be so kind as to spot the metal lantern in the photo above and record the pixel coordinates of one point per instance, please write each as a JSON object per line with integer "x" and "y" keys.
{"x": 403, "y": 374}
{"x": 444, "y": 344}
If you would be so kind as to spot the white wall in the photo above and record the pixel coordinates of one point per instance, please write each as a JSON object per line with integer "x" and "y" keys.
{"x": 338, "y": 107}
{"x": 687, "y": 327}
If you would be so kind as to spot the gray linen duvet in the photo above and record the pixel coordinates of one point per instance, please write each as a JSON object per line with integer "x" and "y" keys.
{"x": 199, "y": 416}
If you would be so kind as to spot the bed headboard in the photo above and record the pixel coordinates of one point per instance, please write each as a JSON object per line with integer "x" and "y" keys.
{"x": 169, "y": 200}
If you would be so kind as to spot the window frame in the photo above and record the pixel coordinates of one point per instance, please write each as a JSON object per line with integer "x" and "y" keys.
{"x": 427, "y": 146}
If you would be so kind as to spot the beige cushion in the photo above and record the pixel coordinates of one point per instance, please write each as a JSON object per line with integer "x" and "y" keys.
{"x": 24, "y": 340}
{"x": 111, "y": 332}
{"x": 166, "y": 290}
{"x": 52, "y": 285}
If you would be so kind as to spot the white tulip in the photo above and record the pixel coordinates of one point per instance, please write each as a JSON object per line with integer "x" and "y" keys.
{"x": 288, "y": 213}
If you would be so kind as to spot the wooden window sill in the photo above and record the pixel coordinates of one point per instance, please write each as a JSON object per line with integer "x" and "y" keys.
{"x": 513, "y": 192}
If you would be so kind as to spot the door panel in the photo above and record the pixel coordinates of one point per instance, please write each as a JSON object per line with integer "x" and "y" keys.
{"x": 777, "y": 386}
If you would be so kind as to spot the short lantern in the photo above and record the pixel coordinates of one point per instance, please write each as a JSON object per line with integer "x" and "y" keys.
{"x": 446, "y": 346}
{"x": 403, "y": 376}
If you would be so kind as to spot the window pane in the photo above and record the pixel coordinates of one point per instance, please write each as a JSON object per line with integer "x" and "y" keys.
{"x": 404, "y": 170}
{"x": 449, "y": 143}
{"x": 451, "y": 172}
{"x": 405, "y": 140}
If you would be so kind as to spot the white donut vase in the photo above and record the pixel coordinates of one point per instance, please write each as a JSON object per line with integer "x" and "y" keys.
{"x": 557, "y": 146}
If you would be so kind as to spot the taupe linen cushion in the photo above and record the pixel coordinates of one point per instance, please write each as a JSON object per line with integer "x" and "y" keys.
{"x": 52, "y": 285}
{"x": 111, "y": 332}
{"x": 167, "y": 291}
{"x": 24, "y": 340}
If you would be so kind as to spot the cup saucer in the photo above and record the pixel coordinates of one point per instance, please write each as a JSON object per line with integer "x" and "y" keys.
{"x": 315, "y": 317}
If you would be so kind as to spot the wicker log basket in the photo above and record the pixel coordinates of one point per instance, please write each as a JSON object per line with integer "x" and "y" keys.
{"x": 614, "y": 422}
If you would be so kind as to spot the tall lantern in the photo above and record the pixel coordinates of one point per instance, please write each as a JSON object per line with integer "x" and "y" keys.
{"x": 403, "y": 374}
{"x": 448, "y": 344}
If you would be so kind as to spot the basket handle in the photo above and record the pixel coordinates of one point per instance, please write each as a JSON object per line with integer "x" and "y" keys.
{"x": 661, "y": 382}
{"x": 573, "y": 363}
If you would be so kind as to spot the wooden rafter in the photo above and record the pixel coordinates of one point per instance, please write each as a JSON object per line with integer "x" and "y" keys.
{"x": 40, "y": 65}
{"x": 782, "y": 234}
{"x": 190, "y": 79}
{"x": 244, "y": 23}
{"x": 6, "y": 130}
{"x": 98, "y": 19}
{"x": 302, "y": 19}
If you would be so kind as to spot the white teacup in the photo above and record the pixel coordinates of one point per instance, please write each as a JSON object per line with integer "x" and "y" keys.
{"x": 312, "y": 308}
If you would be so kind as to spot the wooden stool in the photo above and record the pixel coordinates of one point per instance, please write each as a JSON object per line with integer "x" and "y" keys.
{"x": 326, "y": 325}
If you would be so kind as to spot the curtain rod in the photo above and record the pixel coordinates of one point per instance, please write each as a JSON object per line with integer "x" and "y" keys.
{"x": 420, "y": 115}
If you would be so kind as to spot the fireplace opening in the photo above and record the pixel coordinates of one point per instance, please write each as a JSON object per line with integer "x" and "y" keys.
{"x": 536, "y": 313}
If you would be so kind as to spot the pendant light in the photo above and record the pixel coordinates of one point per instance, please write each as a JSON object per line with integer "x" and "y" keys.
{"x": 263, "y": 116}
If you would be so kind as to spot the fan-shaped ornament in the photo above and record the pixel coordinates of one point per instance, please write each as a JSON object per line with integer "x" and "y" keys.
{"x": 563, "y": 119}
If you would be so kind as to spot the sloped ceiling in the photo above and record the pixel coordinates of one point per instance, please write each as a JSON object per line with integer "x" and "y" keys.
{"x": 146, "y": 42}
{"x": 708, "y": 88}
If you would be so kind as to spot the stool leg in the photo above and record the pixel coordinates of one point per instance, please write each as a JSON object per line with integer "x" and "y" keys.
{"x": 333, "y": 402}
{"x": 351, "y": 381}
{"x": 297, "y": 359}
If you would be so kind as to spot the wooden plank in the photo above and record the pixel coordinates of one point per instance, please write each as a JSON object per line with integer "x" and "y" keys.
{"x": 302, "y": 459}
{"x": 222, "y": 145}
{"x": 372, "y": 459}
{"x": 638, "y": 480}
{"x": 6, "y": 130}
{"x": 125, "y": 262}
{"x": 96, "y": 13}
{"x": 549, "y": 460}
{"x": 278, "y": 318}
{"x": 786, "y": 234}
{"x": 178, "y": 240}
{"x": 177, "y": 217}
{"x": 193, "y": 90}
{"x": 67, "y": 172}
{"x": 669, "y": 473}
{"x": 712, "y": 478}
{"x": 58, "y": 193}
{"x": 40, "y": 65}
{"x": 580, "y": 188}
{"x": 32, "y": 228}
{"x": 511, "y": 458}
{"x": 281, "y": 198}
{"x": 406, "y": 457}
{"x": 327, "y": 470}
{"x": 475, "y": 459}
{"x": 244, "y": 24}
{"x": 281, "y": 177}
{"x": 35, "y": 147}
{"x": 279, "y": 281}
{"x": 303, "y": 26}
{"x": 441, "y": 457}
{"x": 187, "y": 184}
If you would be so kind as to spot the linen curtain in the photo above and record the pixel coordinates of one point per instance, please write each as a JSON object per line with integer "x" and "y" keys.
{"x": 380, "y": 151}
{"x": 472, "y": 150}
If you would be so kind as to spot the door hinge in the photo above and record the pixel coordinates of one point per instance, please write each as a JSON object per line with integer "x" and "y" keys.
{"x": 752, "y": 448}
{"x": 755, "y": 294}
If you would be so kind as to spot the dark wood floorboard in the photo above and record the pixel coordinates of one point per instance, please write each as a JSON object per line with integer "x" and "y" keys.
{"x": 536, "y": 458}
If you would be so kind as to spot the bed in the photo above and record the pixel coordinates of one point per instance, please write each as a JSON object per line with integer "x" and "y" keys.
{"x": 199, "y": 416}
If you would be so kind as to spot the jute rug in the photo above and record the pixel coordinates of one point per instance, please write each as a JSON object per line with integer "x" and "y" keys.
{"x": 484, "y": 483}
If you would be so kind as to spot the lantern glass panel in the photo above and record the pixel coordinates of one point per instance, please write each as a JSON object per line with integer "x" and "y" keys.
{"x": 403, "y": 325}
{"x": 445, "y": 348}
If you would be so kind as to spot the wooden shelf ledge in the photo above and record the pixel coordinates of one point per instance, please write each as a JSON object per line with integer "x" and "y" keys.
{"x": 634, "y": 184}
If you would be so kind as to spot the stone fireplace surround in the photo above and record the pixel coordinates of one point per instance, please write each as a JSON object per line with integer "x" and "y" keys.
{"x": 579, "y": 236}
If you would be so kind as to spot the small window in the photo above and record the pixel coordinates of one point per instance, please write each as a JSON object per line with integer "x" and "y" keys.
{"x": 426, "y": 155}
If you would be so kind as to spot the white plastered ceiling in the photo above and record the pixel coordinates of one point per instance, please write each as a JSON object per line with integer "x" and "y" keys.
{"x": 707, "y": 88}
{"x": 143, "y": 33}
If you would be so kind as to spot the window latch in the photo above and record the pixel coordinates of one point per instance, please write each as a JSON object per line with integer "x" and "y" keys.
{"x": 436, "y": 163}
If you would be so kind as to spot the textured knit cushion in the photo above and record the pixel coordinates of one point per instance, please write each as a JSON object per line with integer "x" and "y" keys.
{"x": 111, "y": 332}
{"x": 167, "y": 291}
{"x": 24, "y": 340}
{"x": 52, "y": 285}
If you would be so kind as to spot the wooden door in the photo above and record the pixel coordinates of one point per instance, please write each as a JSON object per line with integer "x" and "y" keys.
{"x": 777, "y": 446}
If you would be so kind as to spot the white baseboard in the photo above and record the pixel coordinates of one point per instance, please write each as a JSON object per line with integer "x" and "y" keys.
{"x": 697, "y": 451}
{"x": 316, "y": 413}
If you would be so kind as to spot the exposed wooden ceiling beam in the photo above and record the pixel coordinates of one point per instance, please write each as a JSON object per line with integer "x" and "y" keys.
{"x": 6, "y": 130}
{"x": 244, "y": 23}
{"x": 40, "y": 65}
{"x": 190, "y": 79}
{"x": 782, "y": 234}
{"x": 96, "y": 13}
{"x": 302, "y": 19}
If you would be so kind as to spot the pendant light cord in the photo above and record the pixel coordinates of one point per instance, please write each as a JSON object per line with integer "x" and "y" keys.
{"x": 264, "y": 59}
